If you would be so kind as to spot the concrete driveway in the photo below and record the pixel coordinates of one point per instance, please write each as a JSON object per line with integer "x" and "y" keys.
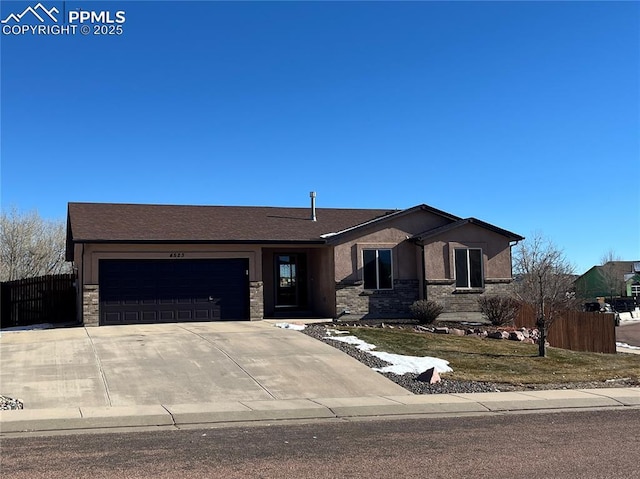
{"x": 184, "y": 363}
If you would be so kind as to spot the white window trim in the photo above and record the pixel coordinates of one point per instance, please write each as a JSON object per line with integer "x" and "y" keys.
{"x": 468, "y": 278}
{"x": 378, "y": 288}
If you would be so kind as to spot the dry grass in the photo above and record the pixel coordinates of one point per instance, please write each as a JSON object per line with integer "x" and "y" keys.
{"x": 502, "y": 361}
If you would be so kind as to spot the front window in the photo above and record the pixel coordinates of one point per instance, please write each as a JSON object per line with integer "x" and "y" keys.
{"x": 468, "y": 268}
{"x": 377, "y": 270}
{"x": 635, "y": 289}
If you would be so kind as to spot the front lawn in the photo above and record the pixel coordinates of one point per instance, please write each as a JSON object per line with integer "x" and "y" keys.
{"x": 503, "y": 361}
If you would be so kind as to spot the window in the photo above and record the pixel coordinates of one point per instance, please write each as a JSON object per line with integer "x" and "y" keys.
{"x": 635, "y": 289}
{"x": 377, "y": 269}
{"x": 468, "y": 268}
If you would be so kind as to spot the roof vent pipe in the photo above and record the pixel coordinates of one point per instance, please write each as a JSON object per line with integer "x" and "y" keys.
{"x": 312, "y": 195}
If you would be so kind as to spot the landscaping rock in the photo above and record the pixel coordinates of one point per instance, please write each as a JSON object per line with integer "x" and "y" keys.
{"x": 441, "y": 330}
{"x": 430, "y": 376}
{"x": 495, "y": 335}
{"x": 528, "y": 341}
{"x": 457, "y": 332}
{"x": 516, "y": 336}
{"x": 7, "y": 403}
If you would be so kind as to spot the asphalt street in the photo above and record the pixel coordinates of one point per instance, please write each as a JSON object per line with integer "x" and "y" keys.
{"x": 629, "y": 333}
{"x": 568, "y": 445}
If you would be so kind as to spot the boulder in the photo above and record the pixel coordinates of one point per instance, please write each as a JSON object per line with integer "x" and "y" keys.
{"x": 505, "y": 334}
{"x": 430, "y": 376}
{"x": 441, "y": 330}
{"x": 457, "y": 332}
{"x": 495, "y": 335}
{"x": 516, "y": 336}
{"x": 528, "y": 341}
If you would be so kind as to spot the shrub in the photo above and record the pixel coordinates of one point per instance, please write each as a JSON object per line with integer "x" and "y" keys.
{"x": 425, "y": 311}
{"x": 500, "y": 310}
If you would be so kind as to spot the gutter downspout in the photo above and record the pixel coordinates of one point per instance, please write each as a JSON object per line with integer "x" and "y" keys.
{"x": 424, "y": 274}
{"x": 512, "y": 244}
{"x": 81, "y": 280}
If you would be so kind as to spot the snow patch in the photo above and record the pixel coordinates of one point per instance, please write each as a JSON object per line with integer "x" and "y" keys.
{"x": 399, "y": 364}
{"x": 295, "y": 327}
{"x": 626, "y": 346}
{"x": 33, "y": 327}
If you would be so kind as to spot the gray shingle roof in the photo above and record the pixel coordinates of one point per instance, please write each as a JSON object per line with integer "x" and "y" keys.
{"x": 143, "y": 223}
{"x": 93, "y": 222}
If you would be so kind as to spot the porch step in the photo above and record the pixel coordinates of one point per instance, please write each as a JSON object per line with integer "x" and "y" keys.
{"x": 294, "y": 314}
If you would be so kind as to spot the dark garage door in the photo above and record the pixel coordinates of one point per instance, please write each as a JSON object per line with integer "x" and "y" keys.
{"x": 165, "y": 291}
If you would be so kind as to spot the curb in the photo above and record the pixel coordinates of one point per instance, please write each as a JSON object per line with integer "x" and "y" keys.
{"x": 177, "y": 415}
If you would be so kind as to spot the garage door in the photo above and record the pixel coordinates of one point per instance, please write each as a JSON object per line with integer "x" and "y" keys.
{"x": 164, "y": 291}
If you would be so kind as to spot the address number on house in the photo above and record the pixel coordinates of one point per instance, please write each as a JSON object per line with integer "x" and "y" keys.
{"x": 176, "y": 255}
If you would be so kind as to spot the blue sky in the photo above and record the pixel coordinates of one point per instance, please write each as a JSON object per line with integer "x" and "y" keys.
{"x": 522, "y": 114}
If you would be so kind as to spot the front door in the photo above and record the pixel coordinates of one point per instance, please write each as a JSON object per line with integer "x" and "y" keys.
{"x": 291, "y": 291}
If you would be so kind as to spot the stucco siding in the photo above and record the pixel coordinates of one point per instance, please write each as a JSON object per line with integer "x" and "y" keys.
{"x": 439, "y": 252}
{"x": 394, "y": 235}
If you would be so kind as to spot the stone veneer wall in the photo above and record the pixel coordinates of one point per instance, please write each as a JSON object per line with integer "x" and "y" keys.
{"x": 256, "y": 300}
{"x": 393, "y": 303}
{"x": 458, "y": 301}
{"x": 90, "y": 305}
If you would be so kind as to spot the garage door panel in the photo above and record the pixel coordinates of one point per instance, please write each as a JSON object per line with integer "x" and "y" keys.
{"x": 130, "y": 316}
{"x": 113, "y": 318}
{"x": 163, "y": 316}
{"x": 134, "y": 291}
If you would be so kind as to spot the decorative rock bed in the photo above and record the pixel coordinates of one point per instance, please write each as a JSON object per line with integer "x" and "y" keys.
{"x": 7, "y": 403}
{"x": 446, "y": 386}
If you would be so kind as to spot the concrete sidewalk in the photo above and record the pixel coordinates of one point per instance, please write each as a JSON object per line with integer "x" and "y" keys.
{"x": 236, "y": 412}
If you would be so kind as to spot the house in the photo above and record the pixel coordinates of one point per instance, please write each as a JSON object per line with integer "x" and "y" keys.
{"x": 632, "y": 281}
{"x": 140, "y": 263}
{"x": 614, "y": 279}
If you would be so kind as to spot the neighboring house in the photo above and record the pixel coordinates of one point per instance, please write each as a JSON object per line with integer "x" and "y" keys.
{"x": 632, "y": 281}
{"x": 611, "y": 280}
{"x": 160, "y": 263}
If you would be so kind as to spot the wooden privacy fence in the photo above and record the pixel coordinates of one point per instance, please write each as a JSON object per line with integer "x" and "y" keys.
{"x": 576, "y": 330}
{"x": 46, "y": 299}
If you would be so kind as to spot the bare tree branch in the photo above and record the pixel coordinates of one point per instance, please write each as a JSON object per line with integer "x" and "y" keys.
{"x": 30, "y": 246}
{"x": 544, "y": 281}
{"x": 612, "y": 275}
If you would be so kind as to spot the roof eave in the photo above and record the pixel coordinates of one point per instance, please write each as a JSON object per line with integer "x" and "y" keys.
{"x": 420, "y": 238}
{"x": 189, "y": 241}
{"x": 333, "y": 238}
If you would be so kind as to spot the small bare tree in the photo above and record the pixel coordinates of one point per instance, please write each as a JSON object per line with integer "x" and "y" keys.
{"x": 30, "y": 246}
{"x": 612, "y": 274}
{"x": 544, "y": 282}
